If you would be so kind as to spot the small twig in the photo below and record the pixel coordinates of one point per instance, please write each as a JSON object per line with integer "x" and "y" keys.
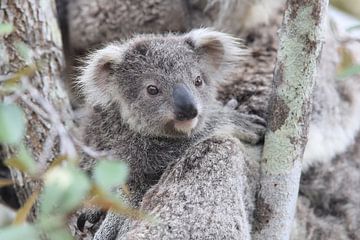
{"x": 52, "y": 120}
{"x": 47, "y": 147}
{"x": 67, "y": 147}
{"x": 13, "y": 97}
{"x": 88, "y": 150}
{"x": 34, "y": 107}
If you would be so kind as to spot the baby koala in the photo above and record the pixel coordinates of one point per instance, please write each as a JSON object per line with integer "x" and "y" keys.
{"x": 154, "y": 96}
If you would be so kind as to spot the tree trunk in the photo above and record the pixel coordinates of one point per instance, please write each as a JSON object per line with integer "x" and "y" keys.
{"x": 299, "y": 47}
{"x": 35, "y": 24}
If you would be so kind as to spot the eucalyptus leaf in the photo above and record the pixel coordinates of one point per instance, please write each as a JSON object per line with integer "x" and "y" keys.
{"x": 24, "y": 51}
{"x": 348, "y": 72}
{"x": 27, "y": 159}
{"x": 65, "y": 188}
{"x": 55, "y": 227}
{"x": 23, "y": 161}
{"x": 6, "y": 29}
{"x": 109, "y": 174}
{"x": 59, "y": 234}
{"x": 12, "y": 124}
{"x": 19, "y": 232}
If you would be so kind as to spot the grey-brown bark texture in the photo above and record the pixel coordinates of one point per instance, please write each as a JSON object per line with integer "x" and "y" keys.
{"x": 290, "y": 107}
{"x": 34, "y": 24}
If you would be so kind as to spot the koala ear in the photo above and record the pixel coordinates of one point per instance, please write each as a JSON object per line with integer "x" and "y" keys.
{"x": 220, "y": 51}
{"x": 95, "y": 78}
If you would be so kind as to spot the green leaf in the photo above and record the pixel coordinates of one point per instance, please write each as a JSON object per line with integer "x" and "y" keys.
{"x": 19, "y": 232}
{"x": 347, "y": 59}
{"x": 23, "y": 161}
{"x": 25, "y": 157}
{"x": 348, "y": 72}
{"x": 65, "y": 188}
{"x": 24, "y": 51}
{"x": 12, "y": 124}
{"x": 24, "y": 211}
{"x": 6, "y": 29}
{"x": 59, "y": 234}
{"x": 55, "y": 227}
{"x": 109, "y": 174}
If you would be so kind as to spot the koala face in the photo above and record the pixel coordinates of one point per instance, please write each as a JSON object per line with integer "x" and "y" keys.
{"x": 163, "y": 85}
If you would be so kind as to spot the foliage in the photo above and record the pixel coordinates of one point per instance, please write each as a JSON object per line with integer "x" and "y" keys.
{"x": 347, "y": 66}
{"x": 12, "y": 123}
{"x": 350, "y": 6}
{"x": 5, "y": 29}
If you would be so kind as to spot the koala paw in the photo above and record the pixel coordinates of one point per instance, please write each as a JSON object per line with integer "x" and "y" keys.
{"x": 250, "y": 128}
{"x": 91, "y": 215}
{"x": 255, "y": 119}
{"x": 232, "y": 104}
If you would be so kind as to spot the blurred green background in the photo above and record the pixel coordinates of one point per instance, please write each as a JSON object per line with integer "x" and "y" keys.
{"x": 350, "y": 6}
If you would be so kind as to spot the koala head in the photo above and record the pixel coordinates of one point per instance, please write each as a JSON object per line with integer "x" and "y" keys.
{"x": 162, "y": 85}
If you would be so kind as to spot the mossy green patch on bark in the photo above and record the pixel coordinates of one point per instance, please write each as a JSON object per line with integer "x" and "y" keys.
{"x": 297, "y": 58}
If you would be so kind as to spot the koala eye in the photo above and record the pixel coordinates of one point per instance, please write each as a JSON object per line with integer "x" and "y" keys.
{"x": 152, "y": 90}
{"x": 198, "y": 81}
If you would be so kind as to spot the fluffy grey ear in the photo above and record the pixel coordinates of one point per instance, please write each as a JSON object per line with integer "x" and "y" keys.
{"x": 220, "y": 51}
{"x": 95, "y": 79}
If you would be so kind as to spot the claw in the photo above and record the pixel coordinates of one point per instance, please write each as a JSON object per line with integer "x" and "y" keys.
{"x": 257, "y": 120}
{"x": 232, "y": 104}
{"x": 80, "y": 223}
{"x": 92, "y": 216}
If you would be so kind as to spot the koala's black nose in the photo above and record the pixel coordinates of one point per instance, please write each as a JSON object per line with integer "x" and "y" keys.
{"x": 184, "y": 103}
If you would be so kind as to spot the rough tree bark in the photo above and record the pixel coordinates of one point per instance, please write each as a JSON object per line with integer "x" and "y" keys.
{"x": 285, "y": 140}
{"x": 35, "y": 24}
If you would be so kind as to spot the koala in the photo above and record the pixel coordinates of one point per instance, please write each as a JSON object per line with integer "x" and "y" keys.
{"x": 193, "y": 195}
{"x": 335, "y": 120}
{"x": 154, "y": 96}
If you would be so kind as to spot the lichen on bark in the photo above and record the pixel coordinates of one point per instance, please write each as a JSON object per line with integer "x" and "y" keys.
{"x": 299, "y": 48}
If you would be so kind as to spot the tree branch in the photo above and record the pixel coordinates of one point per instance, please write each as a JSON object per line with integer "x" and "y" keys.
{"x": 285, "y": 140}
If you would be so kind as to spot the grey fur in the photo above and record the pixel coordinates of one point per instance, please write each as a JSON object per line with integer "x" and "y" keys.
{"x": 139, "y": 128}
{"x": 329, "y": 202}
{"x": 336, "y": 108}
{"x": 213, "y": 208}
